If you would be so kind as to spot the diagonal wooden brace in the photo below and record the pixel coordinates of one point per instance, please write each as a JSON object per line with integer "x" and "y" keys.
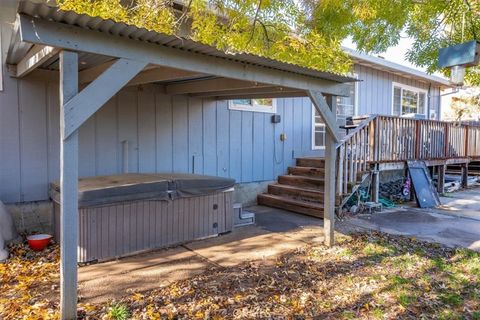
{"x": 83, "y": 105}
{"x": 322, "y": 107}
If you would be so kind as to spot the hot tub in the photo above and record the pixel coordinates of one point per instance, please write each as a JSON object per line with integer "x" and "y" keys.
{"x": 124, "y": 214}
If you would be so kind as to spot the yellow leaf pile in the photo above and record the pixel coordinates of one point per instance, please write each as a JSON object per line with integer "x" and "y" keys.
{"x": 29, "y": 283}
{"x": 366, "y": 276}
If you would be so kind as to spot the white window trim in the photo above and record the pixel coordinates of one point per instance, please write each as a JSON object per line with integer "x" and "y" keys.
{"x": 410, "y": 88}
{"x": 314, "y": 147}
{"x": 254, "y": 107}
{"x": 355, "y": 112}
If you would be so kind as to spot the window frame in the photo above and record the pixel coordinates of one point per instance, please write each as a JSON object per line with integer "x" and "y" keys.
{"x": 314, "y": 146}
{"x": 409, "y": 88}
{"x": 253, "y": 107}
{"x": 355, "y": 112}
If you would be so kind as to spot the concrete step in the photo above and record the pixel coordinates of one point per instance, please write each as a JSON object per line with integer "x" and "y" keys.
{"x": 311, "y": 162}
{"x": 299, "y": 206}
{"x": 307, "y": 171}
{"x": 311, "y": 195}
{"x": 302, "y": 182}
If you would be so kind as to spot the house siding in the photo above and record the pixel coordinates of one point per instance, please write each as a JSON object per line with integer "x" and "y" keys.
{"x": 375, "y": 91}
{"x": 164, "y": 134}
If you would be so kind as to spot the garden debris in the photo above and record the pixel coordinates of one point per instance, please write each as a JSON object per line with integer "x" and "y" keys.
{"x": 366, "y": 276}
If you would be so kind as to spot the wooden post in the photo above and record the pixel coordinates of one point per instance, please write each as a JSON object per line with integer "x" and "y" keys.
{"x": 375, "y": 185}
{"x": 69, "y": 190}
{"x": 329, "y": 205}
{"x": 418, "y": 135}
{"x": 446, "y": 139}
{"x": 466, "y": 142}
{"x": 441, "y": 179}
{"x": 465, "y": 175}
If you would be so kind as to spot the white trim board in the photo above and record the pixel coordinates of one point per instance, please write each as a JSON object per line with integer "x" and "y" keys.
{"x": 410, "y": 88}
{"x": 253, "y": 107}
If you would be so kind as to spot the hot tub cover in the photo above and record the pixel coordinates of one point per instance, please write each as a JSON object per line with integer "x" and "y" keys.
{"x": 124, "y": 187}
{"x": 135, "y": 186}
{"x": 187, "y": 185}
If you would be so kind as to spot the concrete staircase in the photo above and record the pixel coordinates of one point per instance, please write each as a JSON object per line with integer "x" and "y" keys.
{"x": 301, "y": 190}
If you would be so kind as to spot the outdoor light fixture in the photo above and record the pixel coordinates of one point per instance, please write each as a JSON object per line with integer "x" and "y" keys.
{"x": 457, "y": 75}
{"x": 458, "y": 58}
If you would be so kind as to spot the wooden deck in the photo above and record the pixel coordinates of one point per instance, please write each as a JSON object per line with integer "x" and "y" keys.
{"x": 387, "y": 142}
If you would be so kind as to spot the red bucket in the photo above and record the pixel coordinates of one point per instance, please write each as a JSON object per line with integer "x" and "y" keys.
{"x": 38, "y": 242}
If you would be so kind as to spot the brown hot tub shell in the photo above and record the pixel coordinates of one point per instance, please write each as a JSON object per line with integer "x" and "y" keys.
{"x": 121, "y": 215}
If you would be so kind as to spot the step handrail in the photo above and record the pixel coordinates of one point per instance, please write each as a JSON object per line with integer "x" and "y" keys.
{"x": 354, "y": 152}
{"x": 362, "y": 125}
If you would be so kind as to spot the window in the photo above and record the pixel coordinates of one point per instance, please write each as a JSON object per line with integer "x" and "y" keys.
{"x": 258, "y": 105}
{"x": 408, "y": 99}
{"x": 346, "y": 107}
{"x": 318, "y": 137}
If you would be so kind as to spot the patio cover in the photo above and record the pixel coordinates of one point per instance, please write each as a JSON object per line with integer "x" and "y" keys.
{"x": 102, "y": 56}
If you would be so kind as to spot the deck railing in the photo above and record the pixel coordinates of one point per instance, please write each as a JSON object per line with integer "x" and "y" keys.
{"x": 380, "y": 139}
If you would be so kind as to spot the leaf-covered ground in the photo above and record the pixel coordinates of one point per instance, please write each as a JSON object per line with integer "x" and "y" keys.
{"x": 368, "y": 275}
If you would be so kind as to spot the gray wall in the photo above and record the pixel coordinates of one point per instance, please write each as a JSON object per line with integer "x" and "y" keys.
{"x": 375, "y": 91}
{"x": 164, "y": 134}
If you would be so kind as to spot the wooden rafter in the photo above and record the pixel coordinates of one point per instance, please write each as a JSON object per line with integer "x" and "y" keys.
{"x": 34, "y": 58}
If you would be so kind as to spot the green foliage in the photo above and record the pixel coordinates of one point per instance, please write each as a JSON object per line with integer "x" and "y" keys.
{"x": 376, "y": 25}
{"x": 269, "y": 28}
{"x": 118, "y": 311}
{"x": 305, "y": 32}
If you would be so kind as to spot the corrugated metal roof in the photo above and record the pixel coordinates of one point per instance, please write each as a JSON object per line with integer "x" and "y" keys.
{"x": 48, "y": 12}
{"x": 382, "y": 64}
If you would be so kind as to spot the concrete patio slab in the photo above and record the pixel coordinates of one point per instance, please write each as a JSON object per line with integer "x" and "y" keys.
{"x": 465, "y": 203}
{"x": 275, "y": 233}
{"x": 437, "y": 225}
{"x": 111, "y": 280}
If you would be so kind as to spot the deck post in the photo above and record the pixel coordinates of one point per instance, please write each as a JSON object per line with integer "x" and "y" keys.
{"x": 441, "y": 179}
{"x": 465, "y": 175}
{"x": 69, "y": 190}
{"x": 330, "y": 160}
{"x": 375, "y": 185}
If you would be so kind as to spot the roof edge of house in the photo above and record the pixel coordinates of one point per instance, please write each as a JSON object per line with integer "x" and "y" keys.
{"x": 386, "y": 65}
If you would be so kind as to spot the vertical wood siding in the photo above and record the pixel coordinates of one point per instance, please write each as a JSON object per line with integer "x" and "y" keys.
{"x": 164, "y": 134}
{"x": 120, "y": 229}
{"x": 375, "y": 91}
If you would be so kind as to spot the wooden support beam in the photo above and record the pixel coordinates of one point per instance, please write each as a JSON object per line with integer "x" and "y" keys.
{"x": 69, "y": 190}
{"x": 265, "y": 92}
{"x": 264, "y": 95}
{"x": 329, "y": 117}
{"x": 163, "y": 74}
{"x": 330, "y": 174}
{"x": 34, "y": 58}
{"x": 40, "y": 31}
{"x": 96, "y": 94}
{"x": 212, "y": 85}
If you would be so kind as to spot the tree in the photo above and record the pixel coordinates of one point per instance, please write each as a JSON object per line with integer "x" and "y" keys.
{"x": 305, "y": 32}
{"x": 269, "y": 28}
{"x": 376, "y": 25}
{"x": 466, "y": 107}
